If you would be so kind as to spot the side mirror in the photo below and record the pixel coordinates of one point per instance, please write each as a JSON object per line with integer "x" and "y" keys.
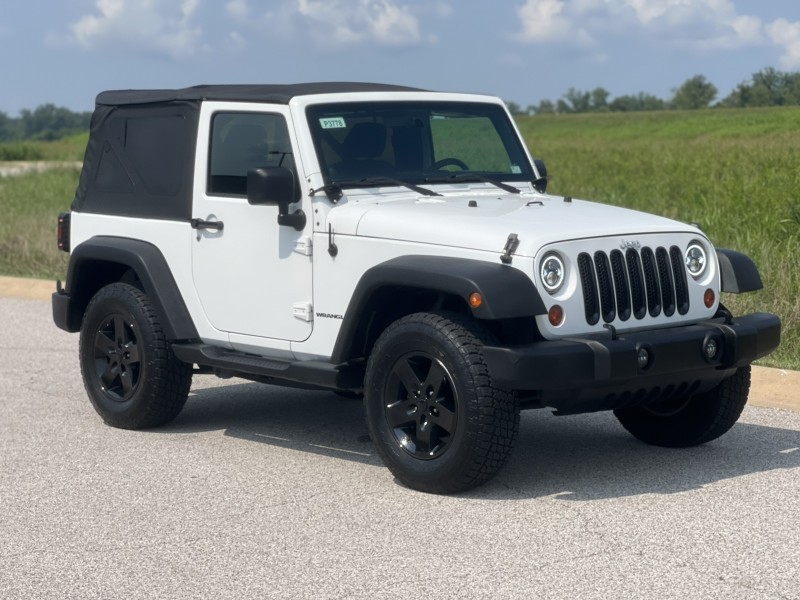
{"x": 275, "y": 185}
{"x": 541, "y": 183}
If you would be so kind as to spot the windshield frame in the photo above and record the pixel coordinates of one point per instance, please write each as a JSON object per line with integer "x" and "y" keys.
{"x": 389, "y": 111}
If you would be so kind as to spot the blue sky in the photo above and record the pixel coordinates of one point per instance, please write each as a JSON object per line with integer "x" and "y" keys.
{"x": 66, "y": 51}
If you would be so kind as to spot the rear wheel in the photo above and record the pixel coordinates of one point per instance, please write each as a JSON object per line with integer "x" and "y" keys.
{"x": 689, "y": 421}
{"x": 131, "y": 375}
{"x": 437, "y": 421}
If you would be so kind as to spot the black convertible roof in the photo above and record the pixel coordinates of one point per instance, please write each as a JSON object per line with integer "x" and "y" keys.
{"x": 276, "y": 94}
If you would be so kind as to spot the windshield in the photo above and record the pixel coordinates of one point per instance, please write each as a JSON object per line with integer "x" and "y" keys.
{"x": 416, "y": 142}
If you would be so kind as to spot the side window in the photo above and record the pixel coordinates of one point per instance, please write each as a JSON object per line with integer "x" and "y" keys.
{"x": 244, "y": 141}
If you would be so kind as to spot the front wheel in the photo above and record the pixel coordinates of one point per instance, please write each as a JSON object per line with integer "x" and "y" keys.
{"x": 437, "y": 421}
{"x": 131, "y": 375}
{"x": 689, "y": 421}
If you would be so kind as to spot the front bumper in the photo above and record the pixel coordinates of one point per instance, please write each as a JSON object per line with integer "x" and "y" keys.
{"x": 588, "y": 374}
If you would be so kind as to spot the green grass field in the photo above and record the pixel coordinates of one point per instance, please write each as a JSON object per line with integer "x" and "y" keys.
{"x": 735, "y": 172}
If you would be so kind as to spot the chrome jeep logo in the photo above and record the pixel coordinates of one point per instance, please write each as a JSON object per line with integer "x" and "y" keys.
{"x": 630, "y": 244}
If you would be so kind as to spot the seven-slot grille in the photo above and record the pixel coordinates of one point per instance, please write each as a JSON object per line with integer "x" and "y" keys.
{"x": 619, "y": 285}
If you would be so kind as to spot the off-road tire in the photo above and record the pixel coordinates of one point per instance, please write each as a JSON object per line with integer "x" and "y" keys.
{"x": 690, "y": 421}
{"x": 437, "y": 421}
{"x": 131, "y": 375}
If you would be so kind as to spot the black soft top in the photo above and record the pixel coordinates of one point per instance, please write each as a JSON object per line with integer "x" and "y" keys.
{"x": 139, "y": 161}
{"x": 271, "y": 93}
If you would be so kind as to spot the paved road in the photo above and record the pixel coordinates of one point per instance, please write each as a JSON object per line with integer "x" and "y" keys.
{"x": 260, "y": 492}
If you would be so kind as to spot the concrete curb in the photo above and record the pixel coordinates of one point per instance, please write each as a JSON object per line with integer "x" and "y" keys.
{"x": 26, "y": 289}
{"x": 777, "y": 388}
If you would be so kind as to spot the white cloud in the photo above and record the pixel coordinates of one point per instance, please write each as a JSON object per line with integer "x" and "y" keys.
{"x": 238, "y": 9}
{"x": 786, "y": 34}
{"x": 164, "y": 26}
{"x": 350, "y": 22}
{"x": 548, "y": 21}
{"x": 704, "y": 24}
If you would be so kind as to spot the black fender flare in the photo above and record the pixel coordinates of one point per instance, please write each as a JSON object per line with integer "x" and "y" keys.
{"x": 151, "y": 269}
{"x": 738, "y": 272}
{"x": 507, "y": 292}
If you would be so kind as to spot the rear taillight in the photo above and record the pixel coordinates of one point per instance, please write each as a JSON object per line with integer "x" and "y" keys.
{"x": 63, "y": 231}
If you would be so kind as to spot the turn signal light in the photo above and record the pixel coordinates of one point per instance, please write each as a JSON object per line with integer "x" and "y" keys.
{"x": 475, "y": 299}
{"x": 555, "y": 315}
{"x": 709, "y": 297}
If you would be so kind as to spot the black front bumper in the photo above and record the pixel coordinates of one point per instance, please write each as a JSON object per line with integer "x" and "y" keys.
{"x": 587, "y": 374}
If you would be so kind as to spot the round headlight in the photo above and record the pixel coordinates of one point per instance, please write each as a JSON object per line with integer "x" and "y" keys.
{"x": 696, "y": 259}
{"x": 552, "y": 272}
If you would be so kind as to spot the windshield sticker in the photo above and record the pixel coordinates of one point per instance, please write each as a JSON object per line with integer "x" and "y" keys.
{"x": 332, "y": 123}
{"x": 515, "y": 169}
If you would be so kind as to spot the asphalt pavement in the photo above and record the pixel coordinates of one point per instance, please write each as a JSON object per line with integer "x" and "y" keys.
{"x": 264, "y": 492}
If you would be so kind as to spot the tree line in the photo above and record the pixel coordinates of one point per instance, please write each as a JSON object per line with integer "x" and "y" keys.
{"x": 46, "y": 122}
{"x": 768, "y": 87}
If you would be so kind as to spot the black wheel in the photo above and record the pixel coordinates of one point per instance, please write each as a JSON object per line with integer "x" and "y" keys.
{"x": 437, "y": 421}
{"x": 130, "y": 373}
{"x": 689, "y": 421}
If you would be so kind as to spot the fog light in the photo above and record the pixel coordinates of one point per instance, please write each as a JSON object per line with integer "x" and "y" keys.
{"x": 555, "y": 315}
{"x": 710, "y": 348}
{"x": 709, "y": 297}
{"x": 643, "y": 356}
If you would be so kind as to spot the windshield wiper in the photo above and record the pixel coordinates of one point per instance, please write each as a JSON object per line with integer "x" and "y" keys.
{"x": 466, "y": 177}
{"x": 375, "y": 181}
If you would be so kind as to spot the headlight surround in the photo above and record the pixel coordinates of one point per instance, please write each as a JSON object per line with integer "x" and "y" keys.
{"x": 552, "y": 272}
{"x": 696, "y": 259}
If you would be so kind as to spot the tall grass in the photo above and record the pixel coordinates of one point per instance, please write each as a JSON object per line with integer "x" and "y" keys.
{"x": 30, "y": 205}
{"x": 735, "y": 172}
{"x": 67, "y": 149}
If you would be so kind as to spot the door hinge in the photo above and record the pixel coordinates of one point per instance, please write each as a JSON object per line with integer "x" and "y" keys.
{"x": 303, "y": 246}
{"x": 303, "y": 311}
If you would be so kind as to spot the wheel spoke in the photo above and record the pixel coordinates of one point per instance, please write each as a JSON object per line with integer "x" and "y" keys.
{"x": 103, "y": 345}
{"x": 405, "y": 373}
{"x": 433, "y": 381}
{"x": 400, "y": 412}
{"x": 444, "y": 418}
{"x": 423, "y": 437}
{"x": 110, "y": 374}
{"x": 120, "y": 332}
{"x": 127, "y": 383}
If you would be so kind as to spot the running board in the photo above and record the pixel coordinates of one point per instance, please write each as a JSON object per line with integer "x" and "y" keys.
{"x": 306, "y": 373}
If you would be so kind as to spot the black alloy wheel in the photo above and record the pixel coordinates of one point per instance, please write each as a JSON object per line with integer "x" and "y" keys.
{"x": 435, "y": 418}
{"x": 117, "y": 357}
{"x": 130, "y": 373}
{"x": 423, "y": 418}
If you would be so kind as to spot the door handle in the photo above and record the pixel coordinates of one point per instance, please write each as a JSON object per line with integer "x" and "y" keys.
{"x": 201, "y": 224}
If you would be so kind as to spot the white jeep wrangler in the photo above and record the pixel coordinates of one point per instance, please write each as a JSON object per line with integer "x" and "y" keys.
{"x": 396, "y": 243}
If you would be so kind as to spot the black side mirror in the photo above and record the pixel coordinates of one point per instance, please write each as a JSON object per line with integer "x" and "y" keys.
{"x": 541, "y": 183}
{"x": 275, "y": 185}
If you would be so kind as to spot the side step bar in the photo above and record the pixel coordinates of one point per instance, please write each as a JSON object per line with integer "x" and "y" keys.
{"x": 312, "y": 374}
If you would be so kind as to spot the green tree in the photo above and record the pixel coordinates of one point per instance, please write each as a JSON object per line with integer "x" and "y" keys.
{"x": 545, "y": 107}
{"x": 695, "y": 92}
{"x": 577, "y": 101}
{"x": 641, "y": 101}
{"x": 514, "y": 108}
{"x": 599, "y": 98}
{"x": 768, "y": 87}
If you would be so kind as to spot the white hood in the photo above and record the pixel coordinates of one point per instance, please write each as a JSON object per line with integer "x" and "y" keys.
{"x": 449, "y": 220}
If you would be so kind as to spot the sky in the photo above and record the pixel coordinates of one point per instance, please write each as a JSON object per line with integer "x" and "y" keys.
{"x": 66, "y": 51}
